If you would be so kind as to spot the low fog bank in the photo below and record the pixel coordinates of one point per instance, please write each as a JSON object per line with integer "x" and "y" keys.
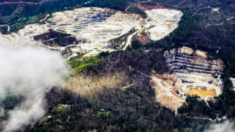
{"x": 29, "y": 71}
{"x": 227, "y": 126}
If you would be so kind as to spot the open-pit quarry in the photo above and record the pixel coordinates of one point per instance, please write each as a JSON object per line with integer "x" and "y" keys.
{"x": 193, "y": 74}
{"x": 89, "y": 30}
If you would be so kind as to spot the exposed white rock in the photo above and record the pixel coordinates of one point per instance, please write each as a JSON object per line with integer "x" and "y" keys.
{"x": 164, "y": 22}
{"x": 195, "y": 71}
{"x": 233, "y": 81}
{"x": 192, "y": 71}
{"x": 94, "y": 27}
{"x": 184, "y": 50}
{"x": 165, "y": 87}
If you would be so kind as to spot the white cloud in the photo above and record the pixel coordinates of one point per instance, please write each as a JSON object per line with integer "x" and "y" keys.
{"x": 227, "y": 126}
{"x": 30, "y": 71}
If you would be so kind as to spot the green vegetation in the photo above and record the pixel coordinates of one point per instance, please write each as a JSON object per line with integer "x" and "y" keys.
{"x": 190, "y": 33}
{"x": 117, "y": 42}
{"x": 10, "y": 102}
{"x": 3, "y": 29}
{"x": 114, "y": 4}
{"x": 134, "y": 108}
{"x": 224, "y": 105}
{"x": 130, "y": 109}
{"x": 79, "y": 63}
{"x": 136, "y": 10}
{"x": 143, "y": 32}
{"x": 148, "y": 3}
{"x": 58, "y": 108}
{"x": 103, "y": 113}
{"x": 20, "y": 0}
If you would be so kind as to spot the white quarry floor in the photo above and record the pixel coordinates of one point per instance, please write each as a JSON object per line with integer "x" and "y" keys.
{"x": 164, "y": 21}
{"x": 97, "y": 26}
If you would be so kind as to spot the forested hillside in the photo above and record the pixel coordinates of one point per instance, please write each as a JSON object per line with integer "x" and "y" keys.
{"x": 113, "y": 92}
{"x": 117, "y": 96}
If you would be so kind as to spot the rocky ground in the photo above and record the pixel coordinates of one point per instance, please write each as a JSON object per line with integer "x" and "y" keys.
{"x": 193, "y": 75}
{"x": 89, "y": 30}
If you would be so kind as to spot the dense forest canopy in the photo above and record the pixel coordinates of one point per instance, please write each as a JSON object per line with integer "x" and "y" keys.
{"x": 21, "y": 0}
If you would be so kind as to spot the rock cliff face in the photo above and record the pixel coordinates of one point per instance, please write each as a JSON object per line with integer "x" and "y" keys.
{"x": 195, "y": 71}
{"x": 193, "y": 74}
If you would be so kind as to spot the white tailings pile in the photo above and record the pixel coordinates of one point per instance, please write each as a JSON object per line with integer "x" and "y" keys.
{"x": 97, "y": 26}
{"x": 164, "y": 22}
